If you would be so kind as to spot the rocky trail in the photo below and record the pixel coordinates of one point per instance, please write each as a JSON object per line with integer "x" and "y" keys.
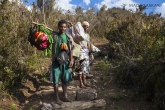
{"x": 104, "y": 93}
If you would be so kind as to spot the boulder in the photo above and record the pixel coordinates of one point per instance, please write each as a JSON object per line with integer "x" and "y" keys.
{"x": 47, "y": 106}
{"x": 79, "y": 94}
{"x": 78, "y": 105}
{"x": 86, "y": 94}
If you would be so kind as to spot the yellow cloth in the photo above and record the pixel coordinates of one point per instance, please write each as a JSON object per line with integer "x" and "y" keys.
{"x": 76, "y": 50}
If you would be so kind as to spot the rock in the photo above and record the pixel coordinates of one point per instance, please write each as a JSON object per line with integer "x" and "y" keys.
{"x": 1, "y": 57}
{"x": 26, "y": 102}
{"x": 86, "y": 94}
{"x": 101, "y": 78}
{"x": 99, "y": 103}
{"x": 42, "y": 68}
{"x": 4, "y": 100}
{"x": 41, "y": 103}
{"x": 105, "y": 83}
{"x": 73, "y": 93}
{"x": 78, "y": 105}
{"x": 94, "y": 86}
{"x": 47, "y": 106}
{"x": 89, "y": 76}
{"x": 95, "y": 81}
{"x": 123, "y": 90}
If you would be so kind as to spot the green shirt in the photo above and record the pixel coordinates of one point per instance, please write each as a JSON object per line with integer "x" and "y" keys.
{"x": 59, "y": 40}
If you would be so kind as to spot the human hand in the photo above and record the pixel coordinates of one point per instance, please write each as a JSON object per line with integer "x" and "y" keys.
{"x": 71, "y": 63}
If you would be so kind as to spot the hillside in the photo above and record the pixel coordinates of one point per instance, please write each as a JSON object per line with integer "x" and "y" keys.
{"x": 135, "y": 49}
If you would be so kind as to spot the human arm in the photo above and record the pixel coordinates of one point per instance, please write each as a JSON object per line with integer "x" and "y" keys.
{"x": 72, "y": 46}
{"x": 71, "y": 59}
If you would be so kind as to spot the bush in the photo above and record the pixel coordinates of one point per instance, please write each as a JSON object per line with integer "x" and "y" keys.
{"x": 139, "y": 44}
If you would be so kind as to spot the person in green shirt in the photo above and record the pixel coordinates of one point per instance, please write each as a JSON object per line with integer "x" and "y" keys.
{"x": 62, "y": 72}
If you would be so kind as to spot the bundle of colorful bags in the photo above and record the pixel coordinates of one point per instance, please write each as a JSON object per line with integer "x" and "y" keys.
{"x": 41, "y": 38}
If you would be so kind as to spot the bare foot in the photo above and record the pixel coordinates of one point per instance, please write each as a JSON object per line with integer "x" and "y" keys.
{"x": 67, "y": 100}
{"x": 87, "y": 85}
{"x": 82, "y": 86}
{"x": 58, "y": 101}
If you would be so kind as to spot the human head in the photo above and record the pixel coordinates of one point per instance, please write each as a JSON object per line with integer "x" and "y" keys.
{"x": 85, "y": 25}
{"x": 62, "y": 25}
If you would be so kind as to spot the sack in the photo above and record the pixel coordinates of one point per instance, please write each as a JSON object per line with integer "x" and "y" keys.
{"x": 63, "y": 46}
{"x": 42, "y": 41}
{"x": 62, "y": 57}
{"x": 38, "y": 38}
{"x": 31, "y": 37}
{"x": 76, "y": 50}
{"x": 43, "y": 45}
{"x": 77, "y": 33}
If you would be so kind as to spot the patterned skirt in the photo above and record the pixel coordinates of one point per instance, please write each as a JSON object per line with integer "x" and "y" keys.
{"x": 82, "y": 64}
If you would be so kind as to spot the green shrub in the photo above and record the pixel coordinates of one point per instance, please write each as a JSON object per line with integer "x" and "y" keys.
{"x": 117, "y": 96}
{"x": 103, "y": 65}
{"x": 13, "y": 106}
{"x": 138, "y": 43}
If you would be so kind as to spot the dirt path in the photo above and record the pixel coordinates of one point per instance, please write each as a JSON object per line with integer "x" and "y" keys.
{"x": 117, "y": 97}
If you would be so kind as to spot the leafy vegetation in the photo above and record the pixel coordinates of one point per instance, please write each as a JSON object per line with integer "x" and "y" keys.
{"x": 136, "y": 42}
{"x": 13, "y": 106}
{"x": 117, "y": 96}
{"x": 103, "y": 65}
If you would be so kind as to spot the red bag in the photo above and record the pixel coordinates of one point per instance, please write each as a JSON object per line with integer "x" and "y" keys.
{"x": 41, "y": 40}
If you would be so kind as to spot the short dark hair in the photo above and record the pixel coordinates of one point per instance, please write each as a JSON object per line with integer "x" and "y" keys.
{"x": 61, "y": 22}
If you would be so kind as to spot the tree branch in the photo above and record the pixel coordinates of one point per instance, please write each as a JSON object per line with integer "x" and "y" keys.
{"x": 45, "y": 27}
